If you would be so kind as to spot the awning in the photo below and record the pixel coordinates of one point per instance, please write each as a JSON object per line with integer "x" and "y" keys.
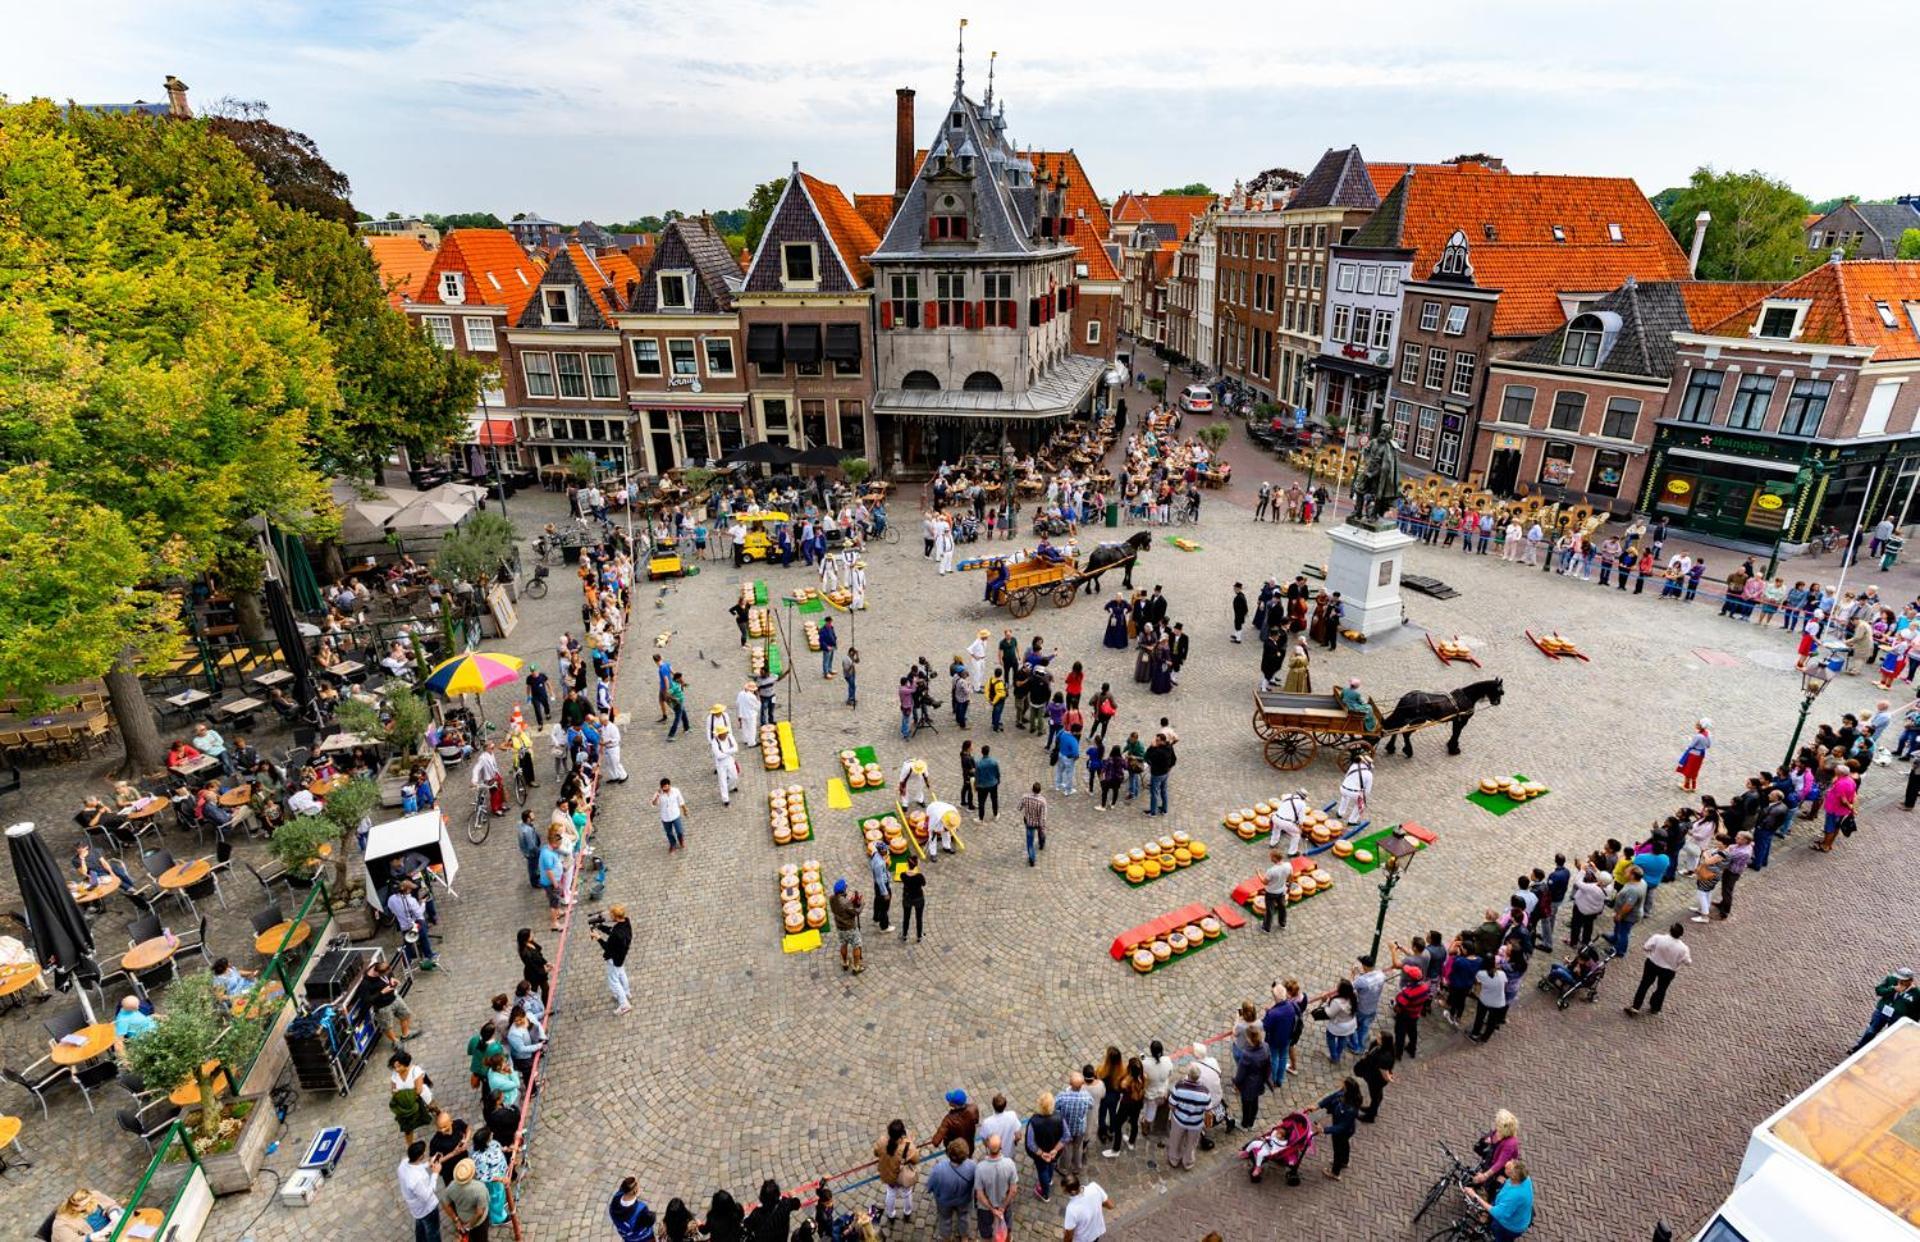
{"x": 763, "y": 344}
{"x": 803, "y": 342}
{"x": 1346, "y": 366}
{"x": 497, "y": 432}
{"x": 843, "y": 342}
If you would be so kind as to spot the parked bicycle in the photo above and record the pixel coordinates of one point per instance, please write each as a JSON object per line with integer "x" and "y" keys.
{"x": 1456, "y": 1177}
{"x": 536, "y": 587}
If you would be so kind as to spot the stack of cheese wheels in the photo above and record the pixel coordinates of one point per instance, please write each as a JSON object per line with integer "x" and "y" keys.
{"x": 856, "y": 774}
{"x": 1491, "y": 784}
{"x": 895, "y": 835}
{"x": 1210, "y": 928}
{"x": 1322, "y": 879}
{"x": 777, "y": 817}
{"x": 787, "y": 810}
{"x": 813, "y": 636}
{"x": 1363, "y": 856}
{"x": 1342, "y": 849}
{"x": 815, "y": 892}
{"x": 1143, "y": 959}
{"x": 757, "y": 660}
{"x": 871, "y": 831}
{"x": 917, "y": 824}
{"x": 760, "y": 623}
{"x": 876, "y": 779}
{"x": 793, "y": 910}
{"x": 769, "y": 748}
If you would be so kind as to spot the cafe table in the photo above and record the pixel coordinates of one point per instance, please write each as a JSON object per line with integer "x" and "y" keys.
{"x": 187, "y": 1094}
{"x": 148, "y": 954}
{"x": 86, "y": 895}
{"x": 98, "y": 1038}
{"x": 184, "y": 874}
{"x": 267, "y": 943}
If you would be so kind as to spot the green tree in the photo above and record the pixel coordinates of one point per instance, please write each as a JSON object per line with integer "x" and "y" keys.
{"x": 1909, "y": 245}
{"x": 475, "y": 549}
{"x": 464, "y": 220}
{"x": 1213, "y": 435}
{"x": 1192, "y": 187}
{"x": 760, "y": 205}
{"x": 66, "y": 611}
{"x": 194, "y": 1027}
{"x": 1757, "y": 231}
{"x": 289, "y": 162}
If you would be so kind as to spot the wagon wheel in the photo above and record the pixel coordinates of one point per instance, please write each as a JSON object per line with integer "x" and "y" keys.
{"x": 1065, "y": 593}
{"x": 1262, "y": 727}
{"x": 1338, "y": 741}
{"x": 1021, "y": 602}
{"x": 1290, "y": 751}
{"x": 999, "y": 599}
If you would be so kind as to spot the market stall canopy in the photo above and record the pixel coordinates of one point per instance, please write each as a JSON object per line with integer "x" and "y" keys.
{"x": 424, "y": 514}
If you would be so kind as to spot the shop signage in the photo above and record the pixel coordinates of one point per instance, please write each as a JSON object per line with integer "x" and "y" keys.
{"x": 1506, "y": 442}
{"x": 1678, "y": 487}
{"x": 1750, "y": 446}
{"x": 1767, "y": 500}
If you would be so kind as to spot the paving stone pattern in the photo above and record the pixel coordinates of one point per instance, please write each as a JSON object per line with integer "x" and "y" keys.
{"x": 740, "y": 1062}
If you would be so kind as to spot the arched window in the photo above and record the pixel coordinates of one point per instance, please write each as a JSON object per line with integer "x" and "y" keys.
{"x": 920, "y": 381}
{"x": 982, "y": 381}
{"x": 1582, "y": 346}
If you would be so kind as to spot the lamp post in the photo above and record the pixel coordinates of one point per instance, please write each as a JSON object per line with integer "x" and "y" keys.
{"x": 1812, "y": 682}
{"x": 1399, "y": 850}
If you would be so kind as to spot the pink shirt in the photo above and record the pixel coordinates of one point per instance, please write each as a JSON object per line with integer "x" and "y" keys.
{"x": 1840, "y": 795}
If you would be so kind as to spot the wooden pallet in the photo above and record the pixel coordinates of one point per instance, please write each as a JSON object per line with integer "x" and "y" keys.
{"x": 1555, "y": 655}
{"x": 1428, "y": 586}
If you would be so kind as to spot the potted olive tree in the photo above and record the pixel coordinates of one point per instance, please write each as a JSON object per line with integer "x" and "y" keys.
{"x": 400, "y": 724}
{"x": 198, "y": 1038}
{"x": 296, "y": 843}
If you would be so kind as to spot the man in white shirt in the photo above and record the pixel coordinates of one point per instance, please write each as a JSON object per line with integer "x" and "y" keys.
{"x": 1355, "y": 788}
{"x": 1157, "y": 1069}
{"x": 977, "y": 661}
{"x": 913, "y": 787}
{"x": 1210, "y": 1079}
{"x": 726, "y": 762}
{"x": 1287, "y": 818}
{"x": 1003, "y": 1123}
{"x": 486, "y": 780}
{"x": 305, "y": 802}
{"x": 1085, "y": 1219}
{"x": 419, "y": 1176}
{"x": 1274, "y": 889}
{"x": 1665, "y": 956}
{"x": 672, "y": 805}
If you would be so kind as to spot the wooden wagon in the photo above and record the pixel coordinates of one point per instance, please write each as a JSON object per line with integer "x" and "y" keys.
{"x": 1028, "y": 581}
{"x": 1293, "y": 727}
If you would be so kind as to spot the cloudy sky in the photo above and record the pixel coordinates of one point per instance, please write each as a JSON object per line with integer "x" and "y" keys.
{"x": 621, "y": 107}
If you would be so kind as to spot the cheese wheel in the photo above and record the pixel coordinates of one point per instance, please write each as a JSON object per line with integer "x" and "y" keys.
{"x": 1119, "y": 863}
{"x": 1322, "y": 877}
{"x": 1143, "y": 960}
{"x": 1210, "y": 927}
{"x": 1152, "y": 868}
{"x": 817, "y": 916}
{"x": 1263, "y": 808}
{"x": 1489, "y": 784}
{"x": 1342, "y": 849}
{"x": 1307, "y": 885}
{"x": 1259, "y": 903}
{"x": 794, "y": 923}
{"x": 1136, "y": 873}
{"x": 1194, "y": 934}
{"x": 1263, "y": 823}
{"x": 1161, "y": 950}
{"x": 1363, "y": 856}
{"x": 1295, "y": 893}
{"x": 1198, "y": 849}
{"x": 1137, "y": 854}
{"x": 782, "y": 834}
{"x": 1248, "y": 832}
{"x": 1177, "y": 942}
{"x": 1234, "y": 819}
{"x": 791, "y": 908}
{"x": 801, "y": 831}
{"x": 1183, "y": 857}
{"x": 1181, "y": 838}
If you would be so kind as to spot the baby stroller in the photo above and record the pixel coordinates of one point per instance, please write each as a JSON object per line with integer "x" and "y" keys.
{"x": 966, "y": 528}
{"x": 1580, "y": 973}
{"x": 1288, "y": 1142}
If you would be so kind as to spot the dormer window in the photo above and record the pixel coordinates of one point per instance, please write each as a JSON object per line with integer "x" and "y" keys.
{"x": 1614, "y": 233}
{"x": 1779, "y": 321}
{"x": 948, "y": 219}
{"x": 1886, "y": 314}
{"x": 798, "y": 269}
{"x": 453, "y": 287}
{"x": 1582, "y": 345}
{"x": 1559, "y": 233}
{"x": 956, "y": 121}
{"x": 675, "y": 292}
{"x": 1489, "y": 232}
{"x": 557, "y": 307}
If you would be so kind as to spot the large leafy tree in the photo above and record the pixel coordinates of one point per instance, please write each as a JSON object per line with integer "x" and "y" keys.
{"x": 1757, "y": 231}
{"x": 288, "y": 161}
{"x": 464, "y": 220}
{"x": 1192, "y": 187}
{"x": 760, "y": 205}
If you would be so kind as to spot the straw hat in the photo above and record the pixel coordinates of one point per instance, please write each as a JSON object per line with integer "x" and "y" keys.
{"x": 463, "y": 1172}
{"x": 716, "y": 710}
{"x": 984, "y": 634}
{"x": 919, "y": 767}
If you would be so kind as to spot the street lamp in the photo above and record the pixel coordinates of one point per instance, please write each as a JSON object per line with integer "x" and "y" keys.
{"x": 1812, "y": 682}
{"x": 1399, "y": 850}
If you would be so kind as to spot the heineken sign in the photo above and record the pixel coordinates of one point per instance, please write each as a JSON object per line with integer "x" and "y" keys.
{"x": 1747, "y": 446}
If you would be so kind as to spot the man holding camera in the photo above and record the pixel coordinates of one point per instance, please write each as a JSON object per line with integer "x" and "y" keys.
{"x": 614, "y": 934}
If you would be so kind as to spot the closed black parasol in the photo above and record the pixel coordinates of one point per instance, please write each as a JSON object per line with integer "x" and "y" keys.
{"x": 821, "y": 455}
{"x": 61, "y": 938}
{"x": 293, "y": 648}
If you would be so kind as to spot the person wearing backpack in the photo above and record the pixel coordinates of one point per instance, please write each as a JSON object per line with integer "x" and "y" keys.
{"x": 1104, "y": 710}
{"x": 1706, "y": 875}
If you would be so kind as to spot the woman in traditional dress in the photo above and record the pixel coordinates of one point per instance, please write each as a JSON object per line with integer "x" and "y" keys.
{"x": 1322, "y": 619}
{"x": 1143, "y": 658}
{"x": 1297, "y": 614}
{"x": 1694, "y": 755}
{"x": 1273, "y": 646}
{"x": 1299, "y": 671}
{"x": 1117, "y": 636}
{"x": 1162, "y": 653}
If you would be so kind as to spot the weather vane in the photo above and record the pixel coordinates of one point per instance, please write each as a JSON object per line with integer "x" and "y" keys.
{"x": 960, "y": 60}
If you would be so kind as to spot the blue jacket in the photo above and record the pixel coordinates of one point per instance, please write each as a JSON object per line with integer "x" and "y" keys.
{"x": 1278, "y": 1023}
{"x": 1069, "y": 745}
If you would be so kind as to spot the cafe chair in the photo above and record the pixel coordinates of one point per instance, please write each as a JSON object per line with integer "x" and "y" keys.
{"x": 144, "y": 928}
{"x": 275, "y": 873}
{"x": 136, "y": 1087}
{"x": 89, "y": 1078}
{"x": 65, "y": 1022}
{"x": 130, "y": 833}
{"x": 38, "y": 1079}
{"x": 185, "y": 818}
{"x": 130, "y": 1122}
{"x": 194, "y": 940}
{"x": 264, "y": 919}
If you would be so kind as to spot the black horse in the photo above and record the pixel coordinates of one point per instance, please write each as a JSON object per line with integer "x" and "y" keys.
{"x": 1424, "y": 707}
{"x": 1115, "y": 556}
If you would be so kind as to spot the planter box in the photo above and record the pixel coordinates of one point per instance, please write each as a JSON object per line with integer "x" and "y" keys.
{"x": 394, "y": 775}
{"x": 232, "y": 1172}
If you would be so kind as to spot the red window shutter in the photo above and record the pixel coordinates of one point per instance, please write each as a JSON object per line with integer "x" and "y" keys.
{"x": 933, "y": 228}
{"x": 980, "y": 314}
{"x": 966, "y": 314}
{"x": 1006, "y": 313}
{"x": 886, "y": 314}
{"x": 960, "y": 227}
{"x": 1066, "y": 227}
{"x": 932, "y": 315}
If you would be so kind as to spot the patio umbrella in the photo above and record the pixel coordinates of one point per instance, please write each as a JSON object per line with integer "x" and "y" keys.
{"x": 426, "y": 514}
{"x": 474, "y": 673}
{"x": 61, "y": 938}
{"x": 820, "y": 455}
{"x": 765, "y": 453}
{"x": 461, "y": 494}
{"x": 293, "y": 646}
{"x": 364, "y": 521}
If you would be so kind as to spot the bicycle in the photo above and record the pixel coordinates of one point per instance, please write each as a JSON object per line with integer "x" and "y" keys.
{"x": 519, "y": 785}
{"x": 482, "y": 823}
{"x": 536, "y": 587}
{"x": 1455, "y": 1177}
{"x": 1469, "y": 1228}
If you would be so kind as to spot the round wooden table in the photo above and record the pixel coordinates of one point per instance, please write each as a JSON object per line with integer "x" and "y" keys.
{"x": 153, "y": 807}
{"x": 267, "y": 943}
{"x": 14, "y": 978}
{"x": 187, "y": 1094}
{"x": 239, "y": 795}
{"x": 184, "y": 875}
{"x": 9, "y": 1130}
{"x": 148, "y": 954}
{"x": 321, "y": 789}
{"x": 99, "y": 1038}
{"x": 153, "y": 1217}
{"x": 87, "y": 896}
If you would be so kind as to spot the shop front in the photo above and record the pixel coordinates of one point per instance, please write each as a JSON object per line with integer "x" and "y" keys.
{"x": 672, "y": 436}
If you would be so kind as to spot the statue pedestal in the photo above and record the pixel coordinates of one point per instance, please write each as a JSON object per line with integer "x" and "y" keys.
{"x": 1364, "y": 567}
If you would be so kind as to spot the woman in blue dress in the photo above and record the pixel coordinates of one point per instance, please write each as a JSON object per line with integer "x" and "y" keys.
{"x": 1116, "y": 623}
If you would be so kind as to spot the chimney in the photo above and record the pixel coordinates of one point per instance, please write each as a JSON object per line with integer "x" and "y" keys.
{"x": 902, "y": 144}
{"x": 177, "y": 107}
{"x": 1700, "y": 223}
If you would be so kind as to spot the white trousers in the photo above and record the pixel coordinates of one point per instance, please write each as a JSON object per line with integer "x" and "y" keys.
{"x": 610, "y": 766}
{"x": 728, "y": 771}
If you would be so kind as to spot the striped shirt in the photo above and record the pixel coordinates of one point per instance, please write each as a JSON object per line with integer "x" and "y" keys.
{"x": 1072, "y": 1106}
{"x": 1189, "y": 1103}
{"x": 1033, "y": 811}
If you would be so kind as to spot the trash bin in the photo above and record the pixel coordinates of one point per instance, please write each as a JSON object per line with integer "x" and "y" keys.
{"x": 1113, "y": 513}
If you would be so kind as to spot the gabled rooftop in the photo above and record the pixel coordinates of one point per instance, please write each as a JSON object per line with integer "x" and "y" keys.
{"x": 497, "y": 271}
{"x": 1640, "y": 318}
{"x": 403, "y": 263}
{"x": 1339, "y": 180}
{"x": 1871, "y": 302}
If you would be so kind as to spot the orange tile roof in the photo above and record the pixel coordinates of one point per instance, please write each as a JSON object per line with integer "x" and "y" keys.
{"x": 1163, "y": 260}
{"x": 1524, "y": 208}
{"x": 1710, "y": 301}
{"x": 1812, "y": 218}
{"x": 498, "y": 271}
{"x": 1178, "y": 210}
{"x": 1843, "y": 308}
{"x": 1530, "y": 278}
{"x": 1083, "y": 202}
{"x": 1385, "y": 176}
{"x": 876, "y": 210}
{"x": 606, "y": 276}
{"x": 403, "y": 264}
{"x": 641, "y": 256}
{"x": 853, "y": 236}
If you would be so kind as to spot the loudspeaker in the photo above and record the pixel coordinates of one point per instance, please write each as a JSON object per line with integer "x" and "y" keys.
{"x": 333, "y": 975}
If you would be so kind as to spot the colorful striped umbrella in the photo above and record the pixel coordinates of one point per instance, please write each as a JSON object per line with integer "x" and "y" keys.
{"x": 473, "y": 673}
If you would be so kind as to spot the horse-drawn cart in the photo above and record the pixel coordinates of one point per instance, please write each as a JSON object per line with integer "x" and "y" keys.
{"x": 1031, "y": 580}
{"x": 1293, "y": 727}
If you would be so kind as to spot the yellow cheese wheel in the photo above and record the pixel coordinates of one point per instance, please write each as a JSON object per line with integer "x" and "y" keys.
{"x": 1342, "y": 848}
{"x": 1143, "y": 960}
{"x": 1120, "y": 862}
{"x": 1210, "y": 928}
{"x": 1136, "y": 872}
{"x": 816, "y": 916}
{"x": 1183, "y": 857}
{"x": 1177, "y": 942}
{"x": 1363, "y": 856}
{"x": 1152, "y": 868}
{"x": 1248, "y": 832}
{"x": 1198, "y": 849}
{"x": 1161, "y": 950}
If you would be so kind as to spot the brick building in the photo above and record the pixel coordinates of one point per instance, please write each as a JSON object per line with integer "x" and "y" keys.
{"x": 1863, "y": 230}
{"x": 562, "y": 368}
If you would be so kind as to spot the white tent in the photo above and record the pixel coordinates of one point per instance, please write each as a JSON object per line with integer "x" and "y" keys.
{"x": 426, "y": 514}
{"x": 364, "y": 521}
{"x": 424, "y": 834}
{"x": 464, "y": 494}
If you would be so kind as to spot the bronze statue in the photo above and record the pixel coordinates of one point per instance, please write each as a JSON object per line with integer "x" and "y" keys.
{"x": 1376, "y": 484}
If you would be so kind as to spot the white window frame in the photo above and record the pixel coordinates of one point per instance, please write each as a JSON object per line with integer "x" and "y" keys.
{"x": 1382, "y": 328}
{"x": 612, "y": 375}
{"x": 1412, "y": 360}
{"x": 1425, "y": 430}
{"x": 640, "y": 368}
{"x": 1093, "y": 331}
{"x": 482, "y": 341}
{"x": 1879, "y": 406}
{"x": 566, "y": 293}
{"x": 1429, "y": 316}
{"x": 1370, "y": 278}
{"x": 1344, "y": 278}
{"x": 453, "y": 288}
{"x": 585, "y": 388}
{"x": 1456, "y": 320}
{"x": 1439, "y": 364}
{"x": 1799, "y": 309}
{"x": 1389, "y": 282}
{"x": 528, "y": 372}
{"x": 787, "y": 281}
{"x": 1614, "y": 233}
{"x": 1362, "y": 325}
{"x": 439, "y": 329}
{"x": 685, "y": 276}
{"x": 693, "y": 348}
{"x": 706, "y": 355}
{"x": 1464, "y": 368}
{"x": 1342, "y": 320}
